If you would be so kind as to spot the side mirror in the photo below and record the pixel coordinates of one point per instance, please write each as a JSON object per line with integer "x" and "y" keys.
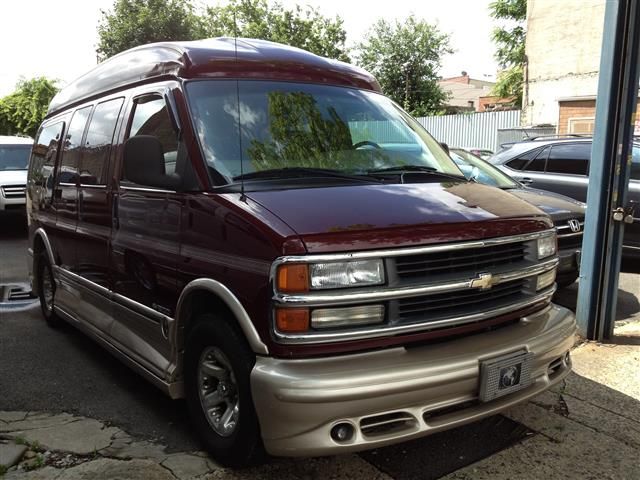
{"x": 445, "y": 147}
{"x": 144, "y": 163}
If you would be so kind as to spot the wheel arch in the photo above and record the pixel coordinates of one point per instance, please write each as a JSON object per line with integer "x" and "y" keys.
{"x": 205, "y": 294}
{"x": 41, "y": 244}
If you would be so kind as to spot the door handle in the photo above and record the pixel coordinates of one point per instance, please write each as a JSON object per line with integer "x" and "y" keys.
{"x": 526, "y": 180}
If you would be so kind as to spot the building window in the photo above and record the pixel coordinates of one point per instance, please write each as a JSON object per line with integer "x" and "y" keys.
{"x": 581, "y": 125}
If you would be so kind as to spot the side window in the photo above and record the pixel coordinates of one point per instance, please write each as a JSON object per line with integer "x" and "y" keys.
{"x": 537, "y": 164}
{"x": 570, "y": 159}
{"x": 151, "y": 117}
{"x": 94, "y": 163}
{"x": 68, "y": 171}
{"x": 520, "y": 162}
{"x": 43, "y": 157}
{"x": 635, "y": 163}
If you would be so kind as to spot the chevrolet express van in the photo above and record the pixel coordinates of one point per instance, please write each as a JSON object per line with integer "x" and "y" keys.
{"x": 261, "y": 231}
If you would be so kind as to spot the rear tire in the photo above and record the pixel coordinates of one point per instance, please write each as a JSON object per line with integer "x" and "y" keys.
{"x": 218, "y": 365}
{"x": 47, "y": 291}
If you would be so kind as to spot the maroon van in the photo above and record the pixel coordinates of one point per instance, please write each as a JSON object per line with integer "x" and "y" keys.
{"x": 261, "y": 231}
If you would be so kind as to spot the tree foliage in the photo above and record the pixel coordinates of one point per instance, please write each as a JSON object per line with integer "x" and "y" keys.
{"x": 137, "y": 22}
{"x": 22, "y": 111}
{"x": 510, "y": 42}
{"x": 300, "y": 27}
{"x": 405, "y": 58}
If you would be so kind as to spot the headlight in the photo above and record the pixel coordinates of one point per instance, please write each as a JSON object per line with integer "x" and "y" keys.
{"x": 358, "y": 273}
{"x": 547, "y": 246}
{"x": 300, "y": 320}
{"x": 545, "y": 279}
{"x": 302, "y": 277}
{"x": 347, "y": 317}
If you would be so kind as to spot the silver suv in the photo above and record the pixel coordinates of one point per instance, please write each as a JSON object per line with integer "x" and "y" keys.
{"x": 561, "y": 165}
{"x": 14, "y": 160}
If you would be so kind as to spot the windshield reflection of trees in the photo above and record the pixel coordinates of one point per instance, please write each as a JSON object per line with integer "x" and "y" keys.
{"x": 301, "y": 136}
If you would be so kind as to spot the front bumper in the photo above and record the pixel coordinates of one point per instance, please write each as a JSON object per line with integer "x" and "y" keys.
{"x": 416, "y": 391}
{"x": 569, "y": 262}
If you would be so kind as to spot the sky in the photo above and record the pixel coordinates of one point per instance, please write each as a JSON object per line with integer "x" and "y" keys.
{"x": 57, "y": 39}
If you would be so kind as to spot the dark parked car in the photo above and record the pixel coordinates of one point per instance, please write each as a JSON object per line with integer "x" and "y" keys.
{"x": 567, "y": 214}
{"x": 561, "y": 165}
{"x": 259, "y": 230}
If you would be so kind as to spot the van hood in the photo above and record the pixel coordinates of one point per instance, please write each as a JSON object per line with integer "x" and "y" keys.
{"x": 13, "y": 177}
{"x": 379, "y": 216}
{"x": 557, "y": 206}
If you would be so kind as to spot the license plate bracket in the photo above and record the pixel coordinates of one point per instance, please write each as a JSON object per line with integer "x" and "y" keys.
{"x": 504, "y": 375}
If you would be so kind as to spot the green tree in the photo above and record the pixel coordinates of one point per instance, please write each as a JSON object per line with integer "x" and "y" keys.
{"x": 22, "y": 111}
{"x": 405, "y": 58}
{"x": 300, "y": 27}
{"x": 510, "y": 42}
{"x": 137, "y": 22}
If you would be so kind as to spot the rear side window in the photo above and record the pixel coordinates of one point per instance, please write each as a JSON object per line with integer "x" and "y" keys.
{"x": 151, "y": 117}
{"x": 94, "y": 164}
{"x": 43, "y": 157}
{"x": 537, "y": 164}
{"x": 522, "y": 161}
{"x": 72, "y": 151}
{"x": 570, "y": 159}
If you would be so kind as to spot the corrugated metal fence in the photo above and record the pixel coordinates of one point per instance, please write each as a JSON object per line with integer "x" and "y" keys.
{"x": 478, "y": 130}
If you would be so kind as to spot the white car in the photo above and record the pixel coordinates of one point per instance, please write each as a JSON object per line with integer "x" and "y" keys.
{"x": 14, "y": 161}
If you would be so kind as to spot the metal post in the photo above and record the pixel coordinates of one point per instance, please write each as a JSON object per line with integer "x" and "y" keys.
{"x": 609, "y": 169}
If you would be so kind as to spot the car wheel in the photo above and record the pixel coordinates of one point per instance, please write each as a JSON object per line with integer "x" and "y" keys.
{"x": 218, "y": 365}
{"x": 47, "y": 290}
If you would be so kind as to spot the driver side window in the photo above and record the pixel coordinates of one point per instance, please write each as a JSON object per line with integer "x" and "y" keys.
{"x": 151, "y": 117}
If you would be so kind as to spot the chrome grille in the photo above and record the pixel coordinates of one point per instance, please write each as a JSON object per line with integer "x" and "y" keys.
{"x": 566, "y": 242}
{"x": 13, "y": 191}
{"x": 451, "y": 304}
{"x": 470, "y": 260}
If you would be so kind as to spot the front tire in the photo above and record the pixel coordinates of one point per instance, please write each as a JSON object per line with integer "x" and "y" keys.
{"x": 218, "y": 365}
{"x": 47, "y": 291}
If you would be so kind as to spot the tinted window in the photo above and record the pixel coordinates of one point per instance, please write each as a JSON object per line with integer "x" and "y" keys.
{"x": 43, "y": 156}
{"x": 572, "y": 159}
{"x": 537, "y": 164}
{"x": 520, "y": 162}
{"x": 94, "y": 163}
{"x": 151, "y": 117}
{"x": 635, "y": 164}
{"x": 73, "y": 146}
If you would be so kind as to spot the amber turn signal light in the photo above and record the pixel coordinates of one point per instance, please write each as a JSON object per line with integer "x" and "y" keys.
{"x": 292, "y": 319}
{"x": 293, "y": 278}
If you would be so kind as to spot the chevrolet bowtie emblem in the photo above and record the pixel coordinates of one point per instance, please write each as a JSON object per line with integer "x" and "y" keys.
{"x": 483, "y": 282}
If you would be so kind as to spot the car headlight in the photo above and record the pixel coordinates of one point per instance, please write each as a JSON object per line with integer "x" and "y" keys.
{"x": 545, "y": 279}
{"x": 302, "y": 277}
{"x": 547, "y": 246}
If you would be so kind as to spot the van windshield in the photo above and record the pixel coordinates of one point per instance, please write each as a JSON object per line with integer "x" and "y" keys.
{"x": 297, "y": 126}
{"x": 14, "y": 157}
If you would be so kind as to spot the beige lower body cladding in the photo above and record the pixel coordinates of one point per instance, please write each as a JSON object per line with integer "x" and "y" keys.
{"x": 418, "y": 391}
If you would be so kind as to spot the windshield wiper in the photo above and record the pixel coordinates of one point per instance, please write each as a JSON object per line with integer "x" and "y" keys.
{"x": 302, "y": 172}
{"x": 400, "y": 169}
